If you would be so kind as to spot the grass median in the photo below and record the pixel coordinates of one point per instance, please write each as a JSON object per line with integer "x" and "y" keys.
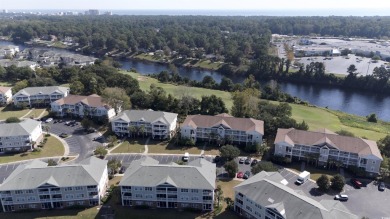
{"x": 52, "y": 148}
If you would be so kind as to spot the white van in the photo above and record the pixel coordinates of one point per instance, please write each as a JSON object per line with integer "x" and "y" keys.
{"x": 186, "y": 156}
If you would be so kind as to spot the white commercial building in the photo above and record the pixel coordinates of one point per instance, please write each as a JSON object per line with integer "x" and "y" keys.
{"x": 20, "y": 136}
{"x": 37, "y": 186}
{"x": 159, "y": 125}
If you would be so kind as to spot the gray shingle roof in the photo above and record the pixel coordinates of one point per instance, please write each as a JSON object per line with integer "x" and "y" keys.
{"x": 266, "y": 190}
{"x": 198, "y": 174}
{"x": 25, "y": 127}
{"x": 146, "y": 115}
{"x": 42, "y": 90}
{"x": 37, "y": 173}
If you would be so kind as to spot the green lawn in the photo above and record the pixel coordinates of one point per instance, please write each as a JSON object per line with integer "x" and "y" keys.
{"x": 131, "y": 146}
{"x": 52, "y": 148}
{"x": 8, "y": 111}
{"x": 5, "y": 84}
{"x": 316, "y": 117}
{"x": 207, "y": 64}
{"x": 36, "y": 112}
{"x": 179, "y": 91}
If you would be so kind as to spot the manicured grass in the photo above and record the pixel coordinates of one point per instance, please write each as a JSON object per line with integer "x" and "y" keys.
{"x": 131, "y": 146}
{"x": 36, "y": 112}
{"x": 318, "y": 118}
{"x": 52, "y": 148}
{"x": 315, "y": 117}
{"x": 8, "y": 111}
{"x": 170, "y": 148}
{"x": 207, "y": 64}
{"x": 5, "y": 84}
{"x": 179, "y": 91}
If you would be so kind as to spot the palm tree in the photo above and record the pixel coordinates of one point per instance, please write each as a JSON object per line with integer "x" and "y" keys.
{"x": 142, "y": 129}
{"x": 132, "y": 130}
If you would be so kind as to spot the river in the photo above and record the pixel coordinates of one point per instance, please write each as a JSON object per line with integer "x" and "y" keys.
{"x": 351, "y": 101}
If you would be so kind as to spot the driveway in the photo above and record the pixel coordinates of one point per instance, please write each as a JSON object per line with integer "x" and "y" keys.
{"x": 79, "y": 142}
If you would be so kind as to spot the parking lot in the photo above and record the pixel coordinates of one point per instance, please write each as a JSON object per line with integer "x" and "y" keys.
{"x": 366, "y": 201}
{"x": 80, "y": 143}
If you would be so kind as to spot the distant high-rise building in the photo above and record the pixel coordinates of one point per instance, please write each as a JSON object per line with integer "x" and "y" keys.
{"x": 5, "y": 11}
{"x": 108, "y": 13}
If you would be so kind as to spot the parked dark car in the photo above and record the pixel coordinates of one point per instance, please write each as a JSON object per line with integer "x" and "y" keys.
{"x": 217, "y": 159}
{"x": 242, "y": 160}
{"x": 63, "y": 135}
{"x": 122, "y": 170}
{"x": 356, "y": 183}
{"x": 254, "y": 162}
{"x": 381, "y": 186}
{"x": 248, "y": 160}
{"x": 247, "y": 174}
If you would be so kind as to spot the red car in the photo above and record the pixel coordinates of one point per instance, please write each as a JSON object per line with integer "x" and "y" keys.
{"x": 240, "y": 175}
{"x": 356, "y": 183}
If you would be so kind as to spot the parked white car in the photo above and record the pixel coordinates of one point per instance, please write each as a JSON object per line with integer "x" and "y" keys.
{"x": 49, "y": 120}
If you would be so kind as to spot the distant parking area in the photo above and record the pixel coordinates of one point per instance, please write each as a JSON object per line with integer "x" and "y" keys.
{"x": 79, "y": 142}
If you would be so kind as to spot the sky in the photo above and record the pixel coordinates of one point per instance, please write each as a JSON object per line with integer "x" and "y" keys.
{"x": 195, "y": 4}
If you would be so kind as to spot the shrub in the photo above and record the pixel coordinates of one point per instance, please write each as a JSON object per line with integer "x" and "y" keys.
{"x": 12, "y": 120}
{"x": 323, "y": 183}
{"x": 47, "y": 135}
{"x": 263, "y": 166}
{"x": 338, "y": 182}
{"x": 231, "y": 168}
{"x": 372, "y": 118}
{"x": 37, "y": 150}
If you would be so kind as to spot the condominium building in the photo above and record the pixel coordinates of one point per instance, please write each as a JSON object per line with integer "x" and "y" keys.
{"x": 20, "y": 136}
{"x": 39, "y": 96}
{"x": 37, "y": 186}
{"x": 326, "y": 146}
{"x": 223, "y": 127}
{"x": 5, "y": 95}
{"x": 80, "y": 106}
{"x": 159, "y": 125}
{"x": 267, "y": 196}
{"x": 148, "y": 183}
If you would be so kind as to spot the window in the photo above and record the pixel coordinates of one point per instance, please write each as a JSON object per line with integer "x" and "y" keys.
{"x": 68, "y": 189}
{"x": 80, "y": 203}
{"x": 148, "y": 189}
{"x": 194, "y": 190}
{"x": 249, "y": 208}
{"x": 32, "y": 206}
{"x": 29, "y": 191}
{"x": 78, "y": 188}
{"x": 138, "y": 195}
{"x": 18, "y": 192}
{"x": 184, "y": 190}
{"x": 126, "y": 187}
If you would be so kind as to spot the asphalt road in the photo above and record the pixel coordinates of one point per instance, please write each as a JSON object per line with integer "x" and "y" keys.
{"x": 79, "y": 142}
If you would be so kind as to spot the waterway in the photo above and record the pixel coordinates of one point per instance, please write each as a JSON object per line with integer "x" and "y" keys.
{"x": 351, "y": 101}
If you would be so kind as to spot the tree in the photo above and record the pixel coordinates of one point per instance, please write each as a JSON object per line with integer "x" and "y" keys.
{"x": 219, "y": 193}
{"x": 352, "y": 69}
{"x": 372, "y": 118}
{"x": 226, "y": 84}
{"x": 384, "y": 145}
{"x": 52, "y": 162}
{"x": 337, "y": 182}
{"x": 116, "y": 98}
{"x": 101, "y": 151}
{"x": 245, "y": 103}
{"x": 12, "y": 120}
{"x": 19, "y": 86}
{"x": 302, "y": 126}
{"x": 212, "y": 105}
{"x": 76, "y": 87}
{"x": 112, "y": 139}
{"x": 86, "y": 123}
{"x": 263, "y": 166}
{"x": 231, "y": 168}
{"x": 229, "y": 152}
{"x": 323, "y": 183}
{"x": 46, "y": 128}
{"x": 344, "y": 132}
{"x": 114, "y": 164}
